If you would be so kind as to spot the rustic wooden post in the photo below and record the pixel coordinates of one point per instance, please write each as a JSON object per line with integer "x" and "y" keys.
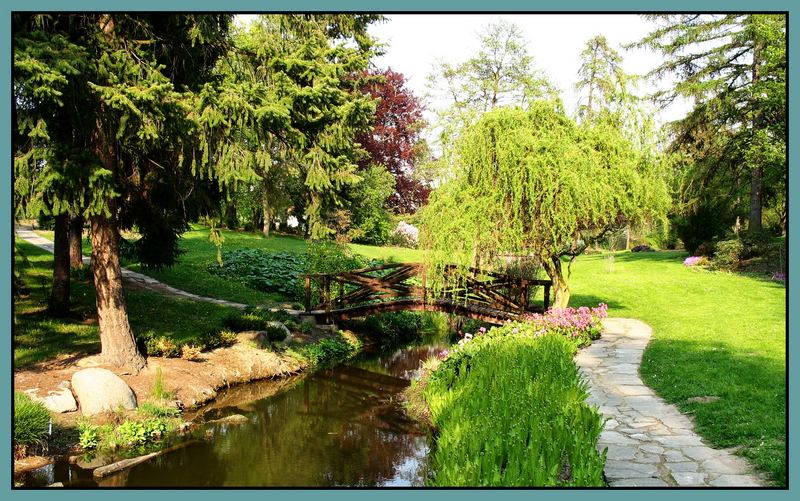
{"x": 524, "y": 298}
{"x": 546, "y": 296}
{"x": 308, "y": 293}
{"x": 424, "y": 289}
{"x": 326, "y": 293}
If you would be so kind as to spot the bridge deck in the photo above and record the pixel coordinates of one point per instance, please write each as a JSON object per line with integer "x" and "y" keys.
{"x": 468, "y": 309}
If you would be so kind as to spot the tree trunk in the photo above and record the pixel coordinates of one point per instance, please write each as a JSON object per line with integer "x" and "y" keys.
{"x": 267, "y": 219}
{"x": 75, "y": 238}
{"x": 59, "y": 296}
{"x": 627, "y": 237}
{"x": 755, "y": 200}
{"x": 116, "y": 337}
{"x": 561, "y": 291}
{"x": 757, "y": 173}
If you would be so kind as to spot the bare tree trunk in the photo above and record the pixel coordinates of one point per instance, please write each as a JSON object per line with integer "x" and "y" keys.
{"x": 755, "y": 200}
{"x": 627, "y": 237}
{"x": 59, "y": 296}
{"x": 267, "y": 218}
{"x": 116, "y": 337}
{"x": 561, "y": 290}
{"x": 757, "y": 173}
{"x": 75, "y": 238}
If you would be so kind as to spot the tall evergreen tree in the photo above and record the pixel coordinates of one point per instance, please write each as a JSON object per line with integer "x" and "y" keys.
{"x": 600, "y": 78}
{"x": 733, "y": 67}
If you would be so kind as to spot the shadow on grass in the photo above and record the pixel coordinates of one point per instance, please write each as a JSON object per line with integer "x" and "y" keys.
{"x": 751, "y": 410}
{"x": 577, "y": 300}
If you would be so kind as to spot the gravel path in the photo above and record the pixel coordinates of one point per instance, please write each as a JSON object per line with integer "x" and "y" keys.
{"x": 650, "y": 443}
{"x": 138, "y": 280}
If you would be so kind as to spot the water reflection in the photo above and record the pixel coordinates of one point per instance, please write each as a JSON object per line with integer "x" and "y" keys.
{"x": 340, "y": 427}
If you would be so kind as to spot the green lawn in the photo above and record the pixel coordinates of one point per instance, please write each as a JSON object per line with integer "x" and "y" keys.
{"x": 191, "y": 272}
{"x": 38, "y": 337}
{"x": 715, "y": 334}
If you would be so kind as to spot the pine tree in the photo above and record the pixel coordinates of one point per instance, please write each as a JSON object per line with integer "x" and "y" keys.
{"x": 600, "y": 78}
{"x": 734, "y": 69}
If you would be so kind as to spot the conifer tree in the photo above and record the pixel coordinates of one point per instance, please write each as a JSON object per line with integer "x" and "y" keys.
{"x": 733, "y": 67}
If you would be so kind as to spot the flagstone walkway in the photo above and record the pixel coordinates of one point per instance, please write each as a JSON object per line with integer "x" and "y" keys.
{"x": 650, "y": 443}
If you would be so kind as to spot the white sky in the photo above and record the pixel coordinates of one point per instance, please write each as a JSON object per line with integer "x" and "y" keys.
{"x": 414, "y": 42}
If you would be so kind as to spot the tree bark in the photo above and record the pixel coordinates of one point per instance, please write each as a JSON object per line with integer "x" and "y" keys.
{"x": 116, "y": 337}
{"x": 267, "y": 219}
{"x": 755, "y": 200}
{"x": 561, "y": 292}
{"x": 59, "y": 295}
{"x": 756, "y": 173}
{"x": 75, "y": 238}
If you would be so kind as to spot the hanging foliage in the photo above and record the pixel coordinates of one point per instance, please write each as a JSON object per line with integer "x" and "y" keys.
{"x": 534, "y": 183}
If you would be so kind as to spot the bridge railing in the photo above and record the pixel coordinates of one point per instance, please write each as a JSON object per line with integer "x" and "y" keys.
{"x": 396, "y": 281}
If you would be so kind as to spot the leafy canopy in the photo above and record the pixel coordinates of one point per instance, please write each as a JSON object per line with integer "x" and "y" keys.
{"x": 535, "y": 183}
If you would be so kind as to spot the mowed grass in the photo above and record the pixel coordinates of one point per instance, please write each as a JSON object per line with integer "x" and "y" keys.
{"x": 39, "y": 337}
{"x": 191, "y": 274}
{"x": 715, "y": 334}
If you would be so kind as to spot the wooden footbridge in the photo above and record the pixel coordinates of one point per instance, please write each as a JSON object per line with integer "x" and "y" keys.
{"x": 481, "y": 294}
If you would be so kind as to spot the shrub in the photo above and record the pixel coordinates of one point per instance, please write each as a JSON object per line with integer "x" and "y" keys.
{"x": 265, "y": 271}
{"x": 728, "y": 255}
{"x": 140, "y": 432}
{"x": 190, "y": 352}
{"x": 512, "y": 414}
{"x": 275, "y": 334}
{"x": 160, "y": 346}
{"x": 328, "y": 352}
{"x": 31, "y": 421}
{"x": 401, "y": 326}
{"x": 707, "y": 224}
{"x": 218, "y": 339}
{"x": 696, "y": 261}
{"x": 405, "y": 235}
{"x": 88, "y": 435}
{"x": 582, "y": 325}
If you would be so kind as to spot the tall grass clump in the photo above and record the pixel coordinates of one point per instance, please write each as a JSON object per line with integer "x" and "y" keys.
{"x": 31, "y": 422}
{"x": 509, "y": 409}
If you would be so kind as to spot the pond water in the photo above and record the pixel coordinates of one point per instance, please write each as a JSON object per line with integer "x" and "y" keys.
{"x": 338, "y": 427}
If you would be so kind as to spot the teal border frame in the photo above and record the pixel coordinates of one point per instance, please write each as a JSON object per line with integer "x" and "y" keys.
{"x": 499, "y": 6}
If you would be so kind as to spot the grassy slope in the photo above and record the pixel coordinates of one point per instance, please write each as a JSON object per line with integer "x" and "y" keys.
{"x": 190, "y": 273}
{"x": 38, "y": 337}
{"x": 715, "y": 334}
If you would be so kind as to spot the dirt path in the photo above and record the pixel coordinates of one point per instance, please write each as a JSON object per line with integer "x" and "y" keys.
{"x": 138, "y": 280}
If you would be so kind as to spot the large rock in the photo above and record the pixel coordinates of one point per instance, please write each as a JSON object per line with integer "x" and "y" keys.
{"x": 61, "y": 400}
{"x": 100, "y": 390}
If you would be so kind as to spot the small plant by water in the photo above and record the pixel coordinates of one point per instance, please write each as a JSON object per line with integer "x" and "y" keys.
{"x": 31, "y": 423}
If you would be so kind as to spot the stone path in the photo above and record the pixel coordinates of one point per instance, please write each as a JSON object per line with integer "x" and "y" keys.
{"x": 650, "y": 443}
{"x": 136, "y": 279}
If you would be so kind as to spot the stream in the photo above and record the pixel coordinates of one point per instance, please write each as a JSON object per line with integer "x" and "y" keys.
{"x": 340, "y": 427}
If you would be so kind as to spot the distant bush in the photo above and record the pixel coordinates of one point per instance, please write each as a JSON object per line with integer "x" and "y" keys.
{"x": 31, "y": 421}
{"x": 728, "y": 255}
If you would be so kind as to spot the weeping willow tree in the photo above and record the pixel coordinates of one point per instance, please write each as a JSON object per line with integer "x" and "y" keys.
{"x": 534, "y": 183}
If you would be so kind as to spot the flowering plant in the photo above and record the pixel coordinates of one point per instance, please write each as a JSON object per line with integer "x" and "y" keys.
{"x": 581, "y": 324}
{"x": 695, "y": 261}
{"x": 779, "y": 276}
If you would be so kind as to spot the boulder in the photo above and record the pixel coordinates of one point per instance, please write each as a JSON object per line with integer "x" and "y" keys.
{"x": 60, "y": 401}
{"x": 100, "y": 390}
